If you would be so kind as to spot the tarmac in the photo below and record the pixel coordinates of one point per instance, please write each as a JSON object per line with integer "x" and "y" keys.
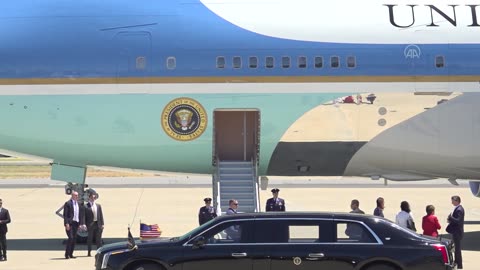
{"x": 36, "y": 234}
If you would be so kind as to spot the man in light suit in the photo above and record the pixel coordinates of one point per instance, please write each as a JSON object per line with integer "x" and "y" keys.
{"x": 4, "y": 220}
{"x": 233, "y": 206}
{"x": 275, "y": 204}
{"x": 94, "y": 222}
{"x": 455, "y": 228}
{"x": 72, "y": 219}
{"x": 233, "y": 232}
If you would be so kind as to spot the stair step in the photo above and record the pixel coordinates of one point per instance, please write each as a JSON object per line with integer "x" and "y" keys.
{"x": 234, "y": 162}
{"x": 244, "y": 179}
{"x": 236, "y": 181}
{"x": 244, "y": 203}
{"x": 236, "y": 171}
{"x": 243, "y": 182}
{"x": 249, "y": 167}
{"x": 236, "y": 189}
{"x": 237, "y": 184}
{"x": 247, "y": 209}
{"x": 241, "y": 175}
{"x": 238, "y": 197}
{"x": 235, "y": 165}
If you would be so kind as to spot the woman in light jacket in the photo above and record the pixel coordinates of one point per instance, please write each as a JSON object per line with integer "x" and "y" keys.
{"x": 404, "y": 218}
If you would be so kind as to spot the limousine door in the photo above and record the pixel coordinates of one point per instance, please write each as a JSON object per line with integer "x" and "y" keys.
{"x": 297, "y": 244}
{"x": 226, "y": 246}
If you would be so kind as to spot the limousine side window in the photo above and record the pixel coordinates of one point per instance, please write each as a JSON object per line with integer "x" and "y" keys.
{"x": 304, "y": 234}
{"x": 293, "y": 231}
{"x": 228, "y": 233}
{"x": 353, "y": 232}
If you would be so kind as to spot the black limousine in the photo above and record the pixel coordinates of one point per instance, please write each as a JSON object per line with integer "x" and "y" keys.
{"x": 285, "y": 240}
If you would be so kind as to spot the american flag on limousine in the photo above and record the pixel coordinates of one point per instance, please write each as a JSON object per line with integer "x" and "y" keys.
{"x": 149, "y": 231}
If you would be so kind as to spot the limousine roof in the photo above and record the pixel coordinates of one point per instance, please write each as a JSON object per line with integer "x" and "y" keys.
{"x": 307, "y": 215}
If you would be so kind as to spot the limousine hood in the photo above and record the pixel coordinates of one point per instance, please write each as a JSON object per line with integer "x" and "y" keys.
{"x": 140, "y": 244}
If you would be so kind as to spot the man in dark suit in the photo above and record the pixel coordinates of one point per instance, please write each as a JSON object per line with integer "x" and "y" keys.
{"x": 4, "y": 220}
{"x": 455, "y": 228}
{"x": 72, "y": 219}
{"x": 94, "y": 222}
{"x": 380, "y": 206}
{"x": 275, "y": 203}
{"x": 207, "y": 212}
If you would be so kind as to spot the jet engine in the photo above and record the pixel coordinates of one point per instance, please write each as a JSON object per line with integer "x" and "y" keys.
{"x": 475, "y": 188}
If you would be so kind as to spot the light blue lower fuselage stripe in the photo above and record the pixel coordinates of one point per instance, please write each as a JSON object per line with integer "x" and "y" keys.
{"x": 125, "y": 130}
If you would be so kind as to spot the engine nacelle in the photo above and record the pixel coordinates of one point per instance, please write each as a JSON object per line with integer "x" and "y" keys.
{"x": 475, "y": 188}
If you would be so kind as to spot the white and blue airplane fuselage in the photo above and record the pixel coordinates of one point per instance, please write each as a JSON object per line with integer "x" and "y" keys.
{"x": 138, "y": 84}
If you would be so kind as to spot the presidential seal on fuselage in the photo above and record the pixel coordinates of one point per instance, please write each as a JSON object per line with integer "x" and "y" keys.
{"x": 184, "y": 119}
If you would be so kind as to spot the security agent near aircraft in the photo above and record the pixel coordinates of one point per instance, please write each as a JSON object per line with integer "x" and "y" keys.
{"x": 181, "y": 85}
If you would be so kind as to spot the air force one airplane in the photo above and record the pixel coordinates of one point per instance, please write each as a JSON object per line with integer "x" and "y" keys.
{"x": 378, "y": 88}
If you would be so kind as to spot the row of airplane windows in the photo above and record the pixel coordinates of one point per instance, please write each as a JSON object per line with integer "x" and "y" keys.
{"x": 286, "y": 62}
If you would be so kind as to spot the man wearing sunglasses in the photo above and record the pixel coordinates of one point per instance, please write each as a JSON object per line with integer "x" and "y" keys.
{"x": 233, "y": 205}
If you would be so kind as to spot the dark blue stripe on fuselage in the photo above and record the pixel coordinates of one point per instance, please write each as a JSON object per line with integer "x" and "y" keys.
{"x": 71, "y": 39}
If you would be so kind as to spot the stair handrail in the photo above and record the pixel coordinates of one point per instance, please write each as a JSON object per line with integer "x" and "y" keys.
{"x": 256, "y": 185}
{"x": 216, "y": 188}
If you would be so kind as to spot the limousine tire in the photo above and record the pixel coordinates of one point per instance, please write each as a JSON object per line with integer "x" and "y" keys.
{"x": 146, "y": 266}
{"x": 380, "y": 267}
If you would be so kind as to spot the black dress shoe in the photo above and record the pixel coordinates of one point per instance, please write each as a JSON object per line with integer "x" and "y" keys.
{"x": 72, "y": 257}
{"x": 67, "y": 257}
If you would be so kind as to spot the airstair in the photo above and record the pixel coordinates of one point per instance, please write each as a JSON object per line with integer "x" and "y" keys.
{"x": 237, "y": 180}
{"x": 235, "y": 159}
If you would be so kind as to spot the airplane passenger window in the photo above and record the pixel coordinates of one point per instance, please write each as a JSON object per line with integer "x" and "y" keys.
{"x": 237, "y": 62}
{"x": 302, "y": 62}
{"x": 351, "y": 62}
{"x": 269, "y": 62}
{"x": 439, "y": 61}
{"x": 334, "y": 62}
{"x": 318, "y": 62}
{"x": 171, "y": 62}
{"x": 253, "y": 62}
{"x": 285, "y": 62}
{"x": 220, "y": 62}
{"x": 141, "y": 62}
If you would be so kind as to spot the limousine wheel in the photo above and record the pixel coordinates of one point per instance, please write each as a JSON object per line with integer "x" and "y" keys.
{"x": 147, "y": 266}
{"x": 381, "y": 267}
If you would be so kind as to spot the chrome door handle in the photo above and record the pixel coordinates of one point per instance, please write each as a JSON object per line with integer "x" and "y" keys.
{"x": 316, "y": 255}
{"x": 237, "y": 255}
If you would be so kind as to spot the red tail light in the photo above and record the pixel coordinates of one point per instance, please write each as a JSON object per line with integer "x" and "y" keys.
{"x": 444, "y": 252}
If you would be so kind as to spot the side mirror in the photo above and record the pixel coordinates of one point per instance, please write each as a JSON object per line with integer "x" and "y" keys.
{"x": 198, "y": 242}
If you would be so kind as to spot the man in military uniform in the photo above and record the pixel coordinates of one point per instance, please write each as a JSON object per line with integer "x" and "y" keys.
{"x": 275, "y": 203}
{"x": 207, "y": 212}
